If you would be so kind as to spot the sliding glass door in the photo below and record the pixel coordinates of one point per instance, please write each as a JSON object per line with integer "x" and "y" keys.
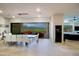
{"x": 31, "y": 28}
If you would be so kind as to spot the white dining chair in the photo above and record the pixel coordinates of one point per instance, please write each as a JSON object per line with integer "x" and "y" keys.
{"x": 8, "y": 39}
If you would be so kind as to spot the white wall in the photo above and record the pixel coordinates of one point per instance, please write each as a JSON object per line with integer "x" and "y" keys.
{"x": 57, "y": 19}
{"x": 20, "y": 20}
{"x": 51, "y": 30}
{"x": 7, "y": 23}
{"x": 2, "y": 22}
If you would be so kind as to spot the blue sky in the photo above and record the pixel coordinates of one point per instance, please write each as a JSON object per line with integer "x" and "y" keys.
{"x": 35, "y": 25}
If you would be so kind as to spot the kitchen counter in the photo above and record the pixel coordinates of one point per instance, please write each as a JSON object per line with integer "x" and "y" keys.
{"x": 71, "y": 35}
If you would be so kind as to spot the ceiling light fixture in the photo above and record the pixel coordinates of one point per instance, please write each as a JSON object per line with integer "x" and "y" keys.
{"x": 1, "y": 11}
{"x": 13, "y": 16}
{"x": 38, "y": 9}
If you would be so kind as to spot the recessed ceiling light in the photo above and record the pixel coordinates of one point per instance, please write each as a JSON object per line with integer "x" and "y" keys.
{"x": 13, "y": 16}
{"x": 38, "y": 9}
{"x": 1, "y": 11}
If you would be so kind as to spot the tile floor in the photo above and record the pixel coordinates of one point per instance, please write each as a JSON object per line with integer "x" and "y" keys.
{"x": 43, "y": 48}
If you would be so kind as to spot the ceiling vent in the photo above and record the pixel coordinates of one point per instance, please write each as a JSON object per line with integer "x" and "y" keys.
{"x": 22, "y": 13}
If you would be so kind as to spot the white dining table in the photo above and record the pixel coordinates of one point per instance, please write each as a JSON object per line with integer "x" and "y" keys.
{"x": 27, "y": 38}
{"x": 31, "y": 36}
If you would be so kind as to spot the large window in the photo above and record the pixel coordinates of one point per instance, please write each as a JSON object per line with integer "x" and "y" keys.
{"x": 31, "y": 28}
{"x": 68, "y": 28}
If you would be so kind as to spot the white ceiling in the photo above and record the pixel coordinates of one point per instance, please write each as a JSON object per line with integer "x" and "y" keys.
{"x": 47, "y": 9}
